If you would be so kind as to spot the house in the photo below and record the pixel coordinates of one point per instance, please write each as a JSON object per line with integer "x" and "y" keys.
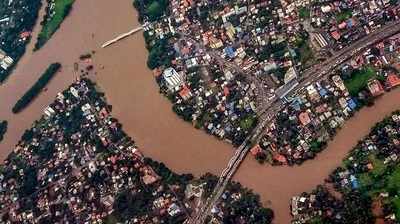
{"x": 172, "y": 79}
{"x": 304, "y": 118}
{"x": 351, "y": 104}
{"x": 338, "y": 82}
{"x": 230, "y": 52}
{"x": 5, "y": 61}
{"x": 392, "y": 80}
{"x": 192, "y": 62}
{"x": 280, "y": 158}
{"x": 185, "y": 93}
{"x": 354, "y": 182}
{"x": 336, "y": 35}
{"x": 312, "y": 93}
{"x": 375, "y": 87}
{"x": 174, "y": 210}
{"x": 290, "y": 75}
{"x": 255, "y": 150}
{"x": 25, "y": 35}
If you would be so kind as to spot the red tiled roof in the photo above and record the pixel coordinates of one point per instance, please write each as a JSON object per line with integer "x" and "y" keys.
{"x": 393, "y": 80}
{"x": 185, "y": 92}
{"x": 375, "y": 88}
{"x": 342, "y": 25}
{"x": 335, "y": 35}
{"x": 255, "y": 150}
{"x": 25, "y": 34}
{"x": 304, "y": 118}
{"x": 280, "y": 158}
{"x": 226, "y": 91}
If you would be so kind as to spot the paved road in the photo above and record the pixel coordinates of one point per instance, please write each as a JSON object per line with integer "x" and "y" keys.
{"x": 270, "y": 108}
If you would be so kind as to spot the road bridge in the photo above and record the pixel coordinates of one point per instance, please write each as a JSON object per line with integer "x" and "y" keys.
{"x": 122, "y": 36}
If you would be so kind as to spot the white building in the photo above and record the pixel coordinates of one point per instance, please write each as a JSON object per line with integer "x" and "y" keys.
{"x": 5, "y": 61}
{"x": 172, "y": 79}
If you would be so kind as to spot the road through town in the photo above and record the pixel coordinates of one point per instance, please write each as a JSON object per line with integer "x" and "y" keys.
{"x": 315, "y": 73}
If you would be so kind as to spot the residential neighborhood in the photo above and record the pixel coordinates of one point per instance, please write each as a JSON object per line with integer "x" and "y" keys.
{"x": 226, "y": 60}
{"x": 17, "y": 19}
{"x": 364, "y": 189}
{"x": 304, "y": 126}
{"x": 76, "y": 165}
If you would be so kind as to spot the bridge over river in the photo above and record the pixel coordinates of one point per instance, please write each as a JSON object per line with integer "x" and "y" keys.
{"x": 270, "y": 108}
{"x": 122, "y": 36}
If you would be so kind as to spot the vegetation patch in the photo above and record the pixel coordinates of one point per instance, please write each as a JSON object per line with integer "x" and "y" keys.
{"x": 359, "y": 80}
{"x": 248, "y": 122}
{"x": 36, "y": 88}
{"x": 304, "y": 13}
{"x": 158, "y": 55}
{"x": 3, "y": 129}
{"x": 151, "y": 9}
{"x": 342, "y": 16}
{"x": 56, "y": 12}
{"x": 304, "y": 50}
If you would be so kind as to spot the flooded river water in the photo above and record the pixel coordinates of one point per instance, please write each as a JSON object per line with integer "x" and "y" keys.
{"x": 147, "y": 116}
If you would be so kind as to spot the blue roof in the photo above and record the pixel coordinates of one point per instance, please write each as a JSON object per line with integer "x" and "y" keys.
{"x": 296, "y": 103}
{"x": 352, "y": 104}
{"x": 230, "y": 52}
{"x": 354, "y": 181}
{"x": 323, "y": 92}
{"x": 349, "y": 22}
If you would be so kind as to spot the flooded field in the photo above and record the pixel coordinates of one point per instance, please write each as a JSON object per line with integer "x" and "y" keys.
{"x": 147, "y": 116}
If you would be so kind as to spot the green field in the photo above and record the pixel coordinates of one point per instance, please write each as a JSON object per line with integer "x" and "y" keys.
{"x": 248, "y": 123}
{"x": 304, "y": 13}
{"x": 342, "y": 16}
{"x": 359, "y": 80}
{"x": 53, "y": 20}
{"x": 382, "y": 179}
{"x": 396, "y": 204}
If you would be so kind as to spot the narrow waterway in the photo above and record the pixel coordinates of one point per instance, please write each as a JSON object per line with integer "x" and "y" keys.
{"x": 147, "y": 116}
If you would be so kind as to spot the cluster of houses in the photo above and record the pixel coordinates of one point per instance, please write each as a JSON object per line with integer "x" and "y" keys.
{"x": 74, "y": 162}
{"x": 5, "y": 60}
{"x": 229, "y": 58}
{"x": 76, "y": 165}
{"x": 16, "y": 21}
{"x": 374, "y": 159}
{"x": 337, "y": 24}
{"x": 302, "y": 128}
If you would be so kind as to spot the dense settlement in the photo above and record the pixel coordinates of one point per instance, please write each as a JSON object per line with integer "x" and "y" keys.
{"x": 221, "y": 62}
{"x": 365, "y": 189}
{"x": 17, "y": 18}
{"x": 76, "y": 165}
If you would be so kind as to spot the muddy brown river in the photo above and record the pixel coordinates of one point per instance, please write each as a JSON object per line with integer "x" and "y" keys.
{"x": 147, "y": 116}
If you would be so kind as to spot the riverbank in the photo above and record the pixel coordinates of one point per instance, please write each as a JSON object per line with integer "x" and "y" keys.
{"x": 18, "y": 20}
{"x": 276, "y": 184}
{"x": 3, "y": 129}
{"x": 147, "y": 115}
{"x": 56, "y": 11}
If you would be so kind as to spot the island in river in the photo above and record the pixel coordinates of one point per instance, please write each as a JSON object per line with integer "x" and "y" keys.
{"x": 145, "y": 114}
